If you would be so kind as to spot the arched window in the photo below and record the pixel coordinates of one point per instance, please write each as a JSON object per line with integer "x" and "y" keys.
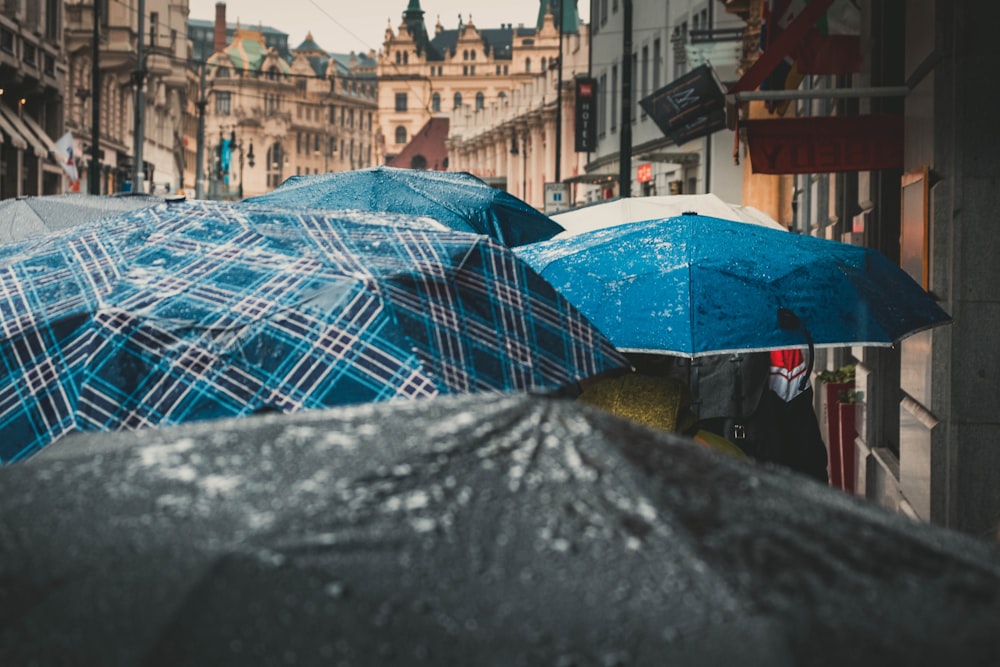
{"x": 458, "y": 100}
{"x": 418, "y": 162}
{"x": 465, "y": 55}
{"x": 406, "y": 57}
{"x": 400, "y": 135}
{"x": 436, "y": 102}
{"x": 222, "y": 73}
{"x": 502, "y": 95}
{"x": 543, "y": 64}
{"x": 527, "y": 64}
{"x": 480, "y": 101}
{"x": 472, "y": 55}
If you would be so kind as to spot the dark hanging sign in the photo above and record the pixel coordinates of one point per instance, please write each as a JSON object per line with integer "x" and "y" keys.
{"x": 818, "y": 145}
{"x": 689, "y": 107}
{"x": 586, "y": 115}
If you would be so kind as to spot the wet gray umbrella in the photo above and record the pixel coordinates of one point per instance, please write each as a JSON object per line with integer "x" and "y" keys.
{"x": 29, "y": 217}
{"x": 457, "y": 531}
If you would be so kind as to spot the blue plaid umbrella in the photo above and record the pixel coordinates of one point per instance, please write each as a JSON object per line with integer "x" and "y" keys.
{"x": 694, "y": 285}
{"x": 192, "y": 310}
{"x": 457, "y": 199}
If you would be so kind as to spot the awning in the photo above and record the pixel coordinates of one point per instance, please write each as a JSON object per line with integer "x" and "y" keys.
{"x": 29, "y": 136}
{"x": 15, "y": 137}
{"x": 593, "y": 179}
{"x": 41, "y": 134}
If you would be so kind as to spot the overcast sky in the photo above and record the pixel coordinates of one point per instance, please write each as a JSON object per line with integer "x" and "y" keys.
{"x": 342, "y": 26}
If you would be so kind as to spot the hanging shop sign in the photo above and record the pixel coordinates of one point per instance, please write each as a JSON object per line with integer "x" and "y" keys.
{"x": 817, "y": 145}
{"x": 688, "y": 107}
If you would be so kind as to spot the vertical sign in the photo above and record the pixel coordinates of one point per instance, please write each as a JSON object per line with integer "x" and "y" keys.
{"x": 586, "y": 115}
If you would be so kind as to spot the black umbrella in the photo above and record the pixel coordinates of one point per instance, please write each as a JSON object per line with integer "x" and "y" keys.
{"x": 457, "y": 531}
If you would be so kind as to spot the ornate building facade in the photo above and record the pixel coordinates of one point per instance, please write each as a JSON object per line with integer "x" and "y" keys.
{"x": 425, "y": 76}
{"x": 164, "y": 73}
{"x": 511, "y": 142}
{"x": 32, "y": 85}
{"x": 269, "y": 115}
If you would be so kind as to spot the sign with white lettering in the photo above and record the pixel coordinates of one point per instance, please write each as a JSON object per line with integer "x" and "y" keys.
{"x": 556, "y": 197}
{"x": 586, "y": 115}
{"x": 818, "y": 145}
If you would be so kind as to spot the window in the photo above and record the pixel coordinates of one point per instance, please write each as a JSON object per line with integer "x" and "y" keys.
{"x": 612, "y": 100}
{"x": 436, "y": 102}
{"x": 480, "y": 101}
{"x": 458, "y": 100}
{"x": 656, "y": 64}
{"x": 635, "y": 90}
{"x": 472, "y": 70}
{"x": 465, "y": 55}
{"x": 406, "y": 57}
{"x": 400, "y": 101}
{"x": 498, "y": 70}
{"x": 543, "y": 64}
{"x": 154, "y": 19}
{"x": 527, "y": 64}
{"x": 400, "y": 135}
{"x": 222, "y": 103}
{"x": 644, "y": 85}
{"x": 222, "y": 73}
{"x": 472, "y": 55}
{"x": 465, "y": 70}
{"x": 399, "y": 58}
{"x": 333, "y": 115}
{"x": 602, "y": 99}
{"x": 505, "y": 69}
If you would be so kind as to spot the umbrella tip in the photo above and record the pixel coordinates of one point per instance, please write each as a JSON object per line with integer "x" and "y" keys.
{"x": 689, "y": 213}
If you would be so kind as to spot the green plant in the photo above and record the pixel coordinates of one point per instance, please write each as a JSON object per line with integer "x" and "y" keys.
{"x": 851, "y": 396}
{"x": 842, "y": 374}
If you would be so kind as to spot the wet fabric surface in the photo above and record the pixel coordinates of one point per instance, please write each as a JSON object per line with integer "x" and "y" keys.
{"x": 457, "y": 530}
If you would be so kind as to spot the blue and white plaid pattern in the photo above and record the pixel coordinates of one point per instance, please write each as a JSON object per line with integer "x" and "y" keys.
{"x": 196, "y": 310}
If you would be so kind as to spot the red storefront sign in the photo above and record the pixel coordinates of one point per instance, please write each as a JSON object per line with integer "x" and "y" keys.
{"x": 644, "y": 172}
{"x": 817, "y": 145}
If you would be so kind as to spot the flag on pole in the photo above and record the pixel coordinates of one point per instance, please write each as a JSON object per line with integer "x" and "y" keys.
{"x": 831, "y": 46}
{"x": 66, "y": 157}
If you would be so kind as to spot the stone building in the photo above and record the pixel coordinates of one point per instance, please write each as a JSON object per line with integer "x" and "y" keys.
{"x": 164, "y": 66}
{"x": 927, "y": 436}
{"x": 425, "y": 76}
{"x": 511, "y": 141}
{"x": 32, "y": 89}
{"x": 270, "y": 114}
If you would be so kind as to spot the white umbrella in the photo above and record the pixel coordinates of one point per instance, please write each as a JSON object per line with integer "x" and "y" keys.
{"x": 635, "y": 209}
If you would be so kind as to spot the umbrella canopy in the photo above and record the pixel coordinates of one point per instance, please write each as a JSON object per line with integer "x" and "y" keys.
{"x": 636, "y": 209}
{"x": 194, "y": 310}
{"x": 28, "y": 217}
{"x": 457, "y": 531}
{"x": 693, "y": 285}
{"x": 457, "y": 199}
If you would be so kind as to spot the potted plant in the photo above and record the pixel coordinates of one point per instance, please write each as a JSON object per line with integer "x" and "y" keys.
{"x": 830, "y": 386}
{"x": 848, "y": 404}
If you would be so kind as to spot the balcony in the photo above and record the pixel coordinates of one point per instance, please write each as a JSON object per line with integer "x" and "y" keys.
{"x": 722, "y": 47}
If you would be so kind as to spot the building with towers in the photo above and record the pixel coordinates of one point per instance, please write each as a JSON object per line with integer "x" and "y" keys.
{"x": 427, "y": 76}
